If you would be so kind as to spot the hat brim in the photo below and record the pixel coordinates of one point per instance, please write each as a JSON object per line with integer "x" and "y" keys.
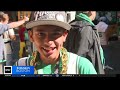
{"x": 48, "y": 22}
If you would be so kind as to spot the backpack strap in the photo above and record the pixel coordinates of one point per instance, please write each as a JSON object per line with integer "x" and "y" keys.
{"x": 23, "y": 61}
{"x": 73, "y": 63}
{"x": 98, "y": 49}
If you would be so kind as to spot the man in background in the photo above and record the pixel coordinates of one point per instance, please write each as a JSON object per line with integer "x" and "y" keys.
{"x": 8, "y": 36}
{"x": 6, "y": 27}
{"x": 83, "y": 39}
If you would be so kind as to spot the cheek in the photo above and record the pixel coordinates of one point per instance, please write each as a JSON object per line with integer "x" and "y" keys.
{"x": 59, "y": 41}
{"x": 37, "y": 41}
{"x": 65, "y": 36}
{"x": 37, "y": 45}
{"x": 34, "y": 40}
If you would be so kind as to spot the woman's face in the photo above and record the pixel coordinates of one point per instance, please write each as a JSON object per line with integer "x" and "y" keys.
{"x": 48, "y": 41}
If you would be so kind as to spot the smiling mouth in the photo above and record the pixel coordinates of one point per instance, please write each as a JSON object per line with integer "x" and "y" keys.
{"x": 49, "y": 51}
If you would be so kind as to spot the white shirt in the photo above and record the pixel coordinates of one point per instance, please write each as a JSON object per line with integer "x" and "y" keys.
{"x": 7, "y": 33}
{"x": 101, "y": 26}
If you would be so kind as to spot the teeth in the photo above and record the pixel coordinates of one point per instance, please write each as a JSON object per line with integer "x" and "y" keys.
{"x": 48, "y": 48}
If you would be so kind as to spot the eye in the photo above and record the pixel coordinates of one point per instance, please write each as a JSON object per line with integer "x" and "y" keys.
{"x": 57, "y": 33}
{"x": 41, "y": 34}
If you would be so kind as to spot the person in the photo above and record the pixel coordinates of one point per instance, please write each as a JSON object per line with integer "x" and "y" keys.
{"x": 48, "y": 31}
{"x": 102, "y": 29}
{"x": 22, "y": 41}
{"x": 28, "y": 43}
{"x": 83, "y": 39}
{"x": 6, "y": 27}
{"x": 8, "y": 36}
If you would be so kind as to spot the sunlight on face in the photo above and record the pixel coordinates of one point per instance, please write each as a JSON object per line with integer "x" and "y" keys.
{"x": 94, "y": 15}
{"x": 48, "y": 41}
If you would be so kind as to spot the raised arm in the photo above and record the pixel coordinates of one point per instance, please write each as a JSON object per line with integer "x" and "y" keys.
{"x": 18, "y": 23}
{"x": 6, "y": 27}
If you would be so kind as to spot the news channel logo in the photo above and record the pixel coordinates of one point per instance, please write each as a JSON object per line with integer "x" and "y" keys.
{"x": 7, "y": 69}
{"x": 18, "y": 69}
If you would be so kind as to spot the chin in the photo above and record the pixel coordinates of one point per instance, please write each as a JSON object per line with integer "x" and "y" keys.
{"x": 52, "y": 61}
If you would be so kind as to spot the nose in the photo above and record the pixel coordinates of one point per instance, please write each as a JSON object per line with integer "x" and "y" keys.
{"x": 48, "y": 40}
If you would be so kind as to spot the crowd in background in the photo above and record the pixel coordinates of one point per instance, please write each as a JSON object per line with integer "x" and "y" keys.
{"x": 26, "y": 47}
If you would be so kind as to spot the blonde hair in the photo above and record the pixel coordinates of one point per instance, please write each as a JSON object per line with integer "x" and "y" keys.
{"x": 6, "y": 17}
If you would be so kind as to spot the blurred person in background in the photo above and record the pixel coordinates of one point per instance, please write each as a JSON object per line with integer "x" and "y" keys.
{"x": 83, "y": 39}
{"x": 6, "y": 27}
{"x": 8, "y": 36}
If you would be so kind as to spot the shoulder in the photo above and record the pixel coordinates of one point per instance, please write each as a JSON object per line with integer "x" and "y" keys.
{"x": 4, "y": 26}
{"x": 81, "y": 60}
{"x": 85, "y": 66}
{"x": 84, "y": 62}
{"x": 87, "y": 27}
{"x": 87, "y": 32}
{"x": 72, "y": 56}
{"x": 23, "y": 61}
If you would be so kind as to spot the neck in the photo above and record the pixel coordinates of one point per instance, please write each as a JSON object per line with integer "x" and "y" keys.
{"x": 82, "y": 16}
{"x": 49, "y": 61}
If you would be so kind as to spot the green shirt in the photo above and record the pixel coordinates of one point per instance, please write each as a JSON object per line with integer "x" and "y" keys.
{"x": 75, "y": 65}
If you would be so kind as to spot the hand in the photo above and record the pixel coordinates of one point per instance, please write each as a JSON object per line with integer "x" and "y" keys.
{"x": 26, "y": 18}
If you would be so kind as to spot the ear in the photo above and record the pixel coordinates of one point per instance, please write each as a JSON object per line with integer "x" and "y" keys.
{"x": 30, "y": 33}
{"x": 65, "y": 36}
